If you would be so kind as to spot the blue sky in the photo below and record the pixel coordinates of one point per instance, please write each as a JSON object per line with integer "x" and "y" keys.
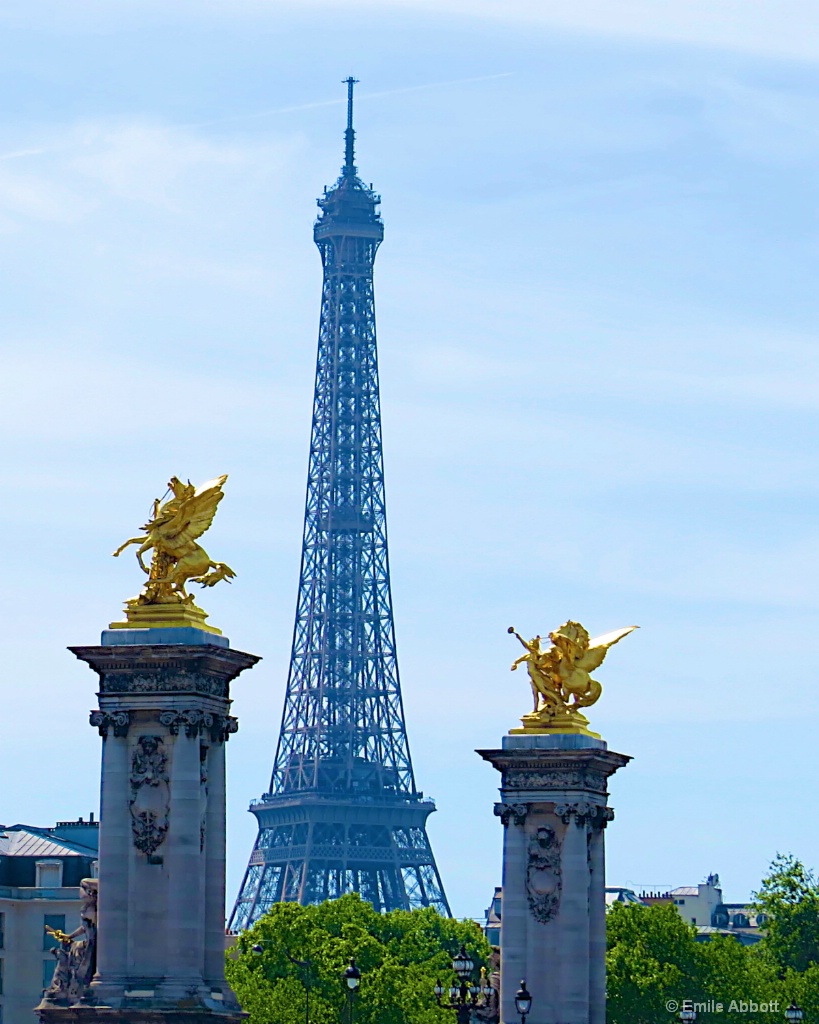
{"x": 598, "y": 338}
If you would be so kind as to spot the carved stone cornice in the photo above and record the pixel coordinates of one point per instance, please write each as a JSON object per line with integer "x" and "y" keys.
{"x": 511, "y": 812}
{"x": 166, "y": 668}
{"x": 547, "y": 770}
{"x": 105, "y": 720}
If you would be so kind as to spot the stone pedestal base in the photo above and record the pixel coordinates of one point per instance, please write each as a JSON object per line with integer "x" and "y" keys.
{"x": 553, "y": 923}
{"x": 135, "y": 1014}
{"x": 174, "y": 614}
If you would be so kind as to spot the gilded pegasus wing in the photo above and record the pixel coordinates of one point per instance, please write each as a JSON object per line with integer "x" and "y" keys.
{"x": 599, "y": 648}
{"x": 195, "y": 514}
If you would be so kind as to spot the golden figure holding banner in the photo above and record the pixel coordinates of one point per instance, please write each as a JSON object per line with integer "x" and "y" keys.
{"x": 172, "y": 534}
{"x": 560, "y": 676}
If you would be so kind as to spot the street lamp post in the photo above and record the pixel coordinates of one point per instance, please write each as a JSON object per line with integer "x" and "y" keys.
{"x": 305, "y": 965}
{"x": 465, "y": 994}
{"x": 687, "y": 1013}
{"x": 352, "y": 977}
{"x": 523, "y": 1002}
{"x": 793, "y": 1012}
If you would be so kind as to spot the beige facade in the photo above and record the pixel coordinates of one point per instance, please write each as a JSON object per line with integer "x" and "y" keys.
{"x": 34, "y": 864}
{"x": 27, "y": 963}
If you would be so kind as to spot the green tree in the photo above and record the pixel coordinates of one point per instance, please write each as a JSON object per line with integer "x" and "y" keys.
{"x": 652, "y": 957}
{"x": 401, "y": 954}
{"x": 733, "y": 973}
{"x": 789, "y": 897}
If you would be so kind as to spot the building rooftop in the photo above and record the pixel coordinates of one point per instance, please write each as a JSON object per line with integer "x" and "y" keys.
{"x": 616, "y": 894}
{"x": 65, "y": 839}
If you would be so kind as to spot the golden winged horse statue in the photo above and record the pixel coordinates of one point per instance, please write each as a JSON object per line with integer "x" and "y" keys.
{"x": 560, "y": 675}
{"x": 172, "y": 535}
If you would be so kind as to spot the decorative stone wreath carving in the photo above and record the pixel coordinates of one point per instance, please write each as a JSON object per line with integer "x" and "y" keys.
{"x": 150, "y": 794}
{"x": 543, "y": 874}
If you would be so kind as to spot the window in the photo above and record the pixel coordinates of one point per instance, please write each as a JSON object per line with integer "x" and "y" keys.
{"x": 57, "y": 922}
{"x": 49, "y": 874}
{"x": 48, "y": 972}
{"x": 693, "y": 920}
{"x": 2, "y": 931}
{"x": 2, "y": 965}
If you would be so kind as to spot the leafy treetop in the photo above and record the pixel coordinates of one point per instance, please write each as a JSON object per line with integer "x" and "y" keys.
{"x": 401, "y": 954}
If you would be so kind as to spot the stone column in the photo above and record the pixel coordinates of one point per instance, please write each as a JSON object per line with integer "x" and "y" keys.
{"x": 114, "y": 841}
{"x": 597, "y": 920}
{"x": 185, "y": 866}
{"x": 214, "y": 850}
{"x": 553, "y": 930}
{"x": 515, "y": 916}
{"x": 164, "y": 716}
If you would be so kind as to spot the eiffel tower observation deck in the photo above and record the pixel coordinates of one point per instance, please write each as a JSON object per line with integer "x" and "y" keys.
{"x": 342, "y": 813}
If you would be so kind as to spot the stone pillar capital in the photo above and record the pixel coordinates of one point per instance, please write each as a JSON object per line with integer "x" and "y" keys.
{"x": 511, "y": 812}
{"x": 105, "y": 720}
{"x": 593, "y": 816}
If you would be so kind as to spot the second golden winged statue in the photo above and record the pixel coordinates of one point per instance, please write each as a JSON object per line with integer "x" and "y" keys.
{"x": 171, "y": 535}
{"x": 560, "y": 676}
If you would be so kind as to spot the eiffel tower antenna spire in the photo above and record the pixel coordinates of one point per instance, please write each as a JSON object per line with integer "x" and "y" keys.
{"x": 342, "y": 813}
{"x": 349, "y": 134}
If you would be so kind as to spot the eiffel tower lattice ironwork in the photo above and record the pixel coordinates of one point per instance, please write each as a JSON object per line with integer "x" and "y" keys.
{"x": 343, "y": 813}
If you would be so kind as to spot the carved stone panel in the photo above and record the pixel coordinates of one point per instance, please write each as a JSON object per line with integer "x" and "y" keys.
{"x": 543, "y": 874}
{"x": 150, "y": 794}
{"x": 164, "y": 681}
{"x": 579, "y": 778}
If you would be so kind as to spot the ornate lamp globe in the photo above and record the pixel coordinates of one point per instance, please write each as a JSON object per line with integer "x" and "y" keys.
{"x": 793, "y": 1012}
{"x": 438, "y": 990}
{"x": 686, "y": 1014}
{"x": 463, "y": 964}
{"x": 523, "y": 1000}
{"x": 352, "y": 976}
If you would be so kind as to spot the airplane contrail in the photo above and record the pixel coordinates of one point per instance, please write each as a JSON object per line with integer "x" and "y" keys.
{"x": 342, "y": 100}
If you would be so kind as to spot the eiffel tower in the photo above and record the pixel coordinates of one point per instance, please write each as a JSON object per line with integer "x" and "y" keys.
{"x": 342, "y": 813}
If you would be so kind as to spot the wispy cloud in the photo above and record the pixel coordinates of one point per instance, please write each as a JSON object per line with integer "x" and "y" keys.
{"x": 360, "y": 96}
